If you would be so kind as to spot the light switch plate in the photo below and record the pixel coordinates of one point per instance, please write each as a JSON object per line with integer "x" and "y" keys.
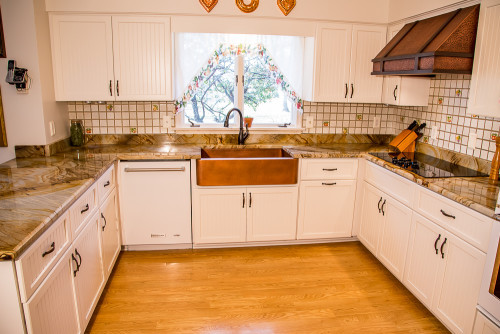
{"x": 166, "y": 122}
{"x": 308, "y": 121}
{"x": 434, "y": 132}
{"x": 52, "y": 127}
{"x": 376, "y": 122}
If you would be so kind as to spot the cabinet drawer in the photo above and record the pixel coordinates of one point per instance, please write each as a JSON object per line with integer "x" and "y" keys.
{"x": 459, "y": 220}
{"x": 321, "y": 169}
{"x": 37, "y": 261}
{"x": 392, "y": 184}
{"x": 106, "y": 183}
{"x": 82, "y": 209}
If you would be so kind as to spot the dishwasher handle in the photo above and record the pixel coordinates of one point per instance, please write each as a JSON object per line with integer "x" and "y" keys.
{"x": 166, "y": 169}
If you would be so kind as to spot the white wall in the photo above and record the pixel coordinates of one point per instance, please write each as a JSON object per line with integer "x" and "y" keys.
{"x": 401, "y": 9}
{"x": 27, "y": 115}
{"x": 23, "y": 112}
{"x": 52, "y": 110}
{"x": 375, "y": 11}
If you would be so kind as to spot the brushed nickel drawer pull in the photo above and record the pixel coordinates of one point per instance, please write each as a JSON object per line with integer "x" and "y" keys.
{"x": 330, "y": 169}
{"x": 329, "y": 184}
{"x": 138, "y": 170}
{"x": 52, "y": 248}
{"x": 447, "y": 214}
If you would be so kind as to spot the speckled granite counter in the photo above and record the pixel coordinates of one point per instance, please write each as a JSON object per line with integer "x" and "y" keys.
{"x": 34, "y": 192}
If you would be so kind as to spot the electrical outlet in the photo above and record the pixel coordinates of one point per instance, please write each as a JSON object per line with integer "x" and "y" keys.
{"x": 376, "y": 122}
{"x": 166, "y": 122}
{"x": 308, "y": 121}
{"x": 52, "y": 127}
{"x": 472, "y": 140}
{"x": 434, "y": 132}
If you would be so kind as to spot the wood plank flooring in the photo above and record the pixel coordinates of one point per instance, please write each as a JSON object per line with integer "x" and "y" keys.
{"x": 328, "y": 288}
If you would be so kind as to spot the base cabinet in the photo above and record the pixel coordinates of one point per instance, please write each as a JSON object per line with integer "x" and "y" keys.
{"x": 52, "y": 308}
{"x": 483, "y": 325}
{"x": 87, "y": 270}
{"x": 385, "y": 229}
{"x": 109, "y": 231}
{"x": 444, "y": 272}
{"x": 244, "y": 214}
{"x": 326, "y": 209}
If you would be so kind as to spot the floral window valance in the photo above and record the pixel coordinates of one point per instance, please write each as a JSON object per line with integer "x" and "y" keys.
{"x": 225, "y": 50}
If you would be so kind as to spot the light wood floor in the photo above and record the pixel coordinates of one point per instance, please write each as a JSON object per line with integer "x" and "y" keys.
{"x": 331, "y": 288}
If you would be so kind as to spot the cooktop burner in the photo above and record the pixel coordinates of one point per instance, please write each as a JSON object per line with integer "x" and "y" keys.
{"x": 427, "y": 166}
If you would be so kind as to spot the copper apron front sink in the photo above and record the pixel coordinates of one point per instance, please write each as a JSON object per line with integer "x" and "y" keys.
{"x": 245, "y": 166}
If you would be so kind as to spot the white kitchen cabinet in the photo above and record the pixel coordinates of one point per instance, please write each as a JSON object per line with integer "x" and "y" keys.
{"x": 82, "y": 57}
{"x": 87, "y": 270}
{"x": 105, "y": 58}
{"x": 326, "y": 209}
{"x": 342, "y": 63}
{"x": 244, "y": 214}
{"x": 219, "y": 215}
{"x": 484, "y": 97}
{"x": 371, "y": 218}
{"x": 109, "y": 232}
{"x": 385, "y": 229}
{"x": 272, "y": 213}
{"x": 52, "y": 308}
{"x": 406, "y": 91}
{"x": 483, "y": 325}
{"x": 141, "y": 49}
{"x": 444, "y": 272}
{"x": 155, "y": 202}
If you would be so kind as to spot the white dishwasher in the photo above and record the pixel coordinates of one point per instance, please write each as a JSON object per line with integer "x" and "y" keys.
{"x": 155, "y": 204}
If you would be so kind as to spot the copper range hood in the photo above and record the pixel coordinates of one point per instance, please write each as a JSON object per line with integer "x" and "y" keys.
{"x": 440, "y": 44}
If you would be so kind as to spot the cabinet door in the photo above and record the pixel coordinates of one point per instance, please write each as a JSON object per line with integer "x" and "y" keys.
{"x": 459, "y": 279}
{"x": 423, "y": 261}
{"x": 367, "y": 41}
{"x": 110, "y": 232}
{"x": 485, "y": 81}
{"x": 483, "y": 325}
{"x": 272, "y": 213}
{"x": 219, "y": 215}
{"x": 371, "y": 218}
{"x": 155, "y": 202}
{"x": 141, "y": 48}
{"x": 332, "y": 57}
{"x": 394, "y": 235}
{"x": 52, "y": 308}
{"x": 89, "y": 276}
{"x": 391, "y": 89}
{"x": 326, "y": 209}
{"x": 82, "y": 57}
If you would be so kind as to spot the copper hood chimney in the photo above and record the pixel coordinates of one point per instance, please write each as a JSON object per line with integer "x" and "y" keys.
{"x": 440, "y": 44}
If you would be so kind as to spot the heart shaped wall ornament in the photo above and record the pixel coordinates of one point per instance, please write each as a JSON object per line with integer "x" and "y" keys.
{"x": 286, "y": 6}
{"x": 208, "y": 4}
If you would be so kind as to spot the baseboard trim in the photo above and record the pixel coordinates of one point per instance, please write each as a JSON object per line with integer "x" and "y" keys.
{"x": 134, "y": 248}
{"x": 273, "y": 243}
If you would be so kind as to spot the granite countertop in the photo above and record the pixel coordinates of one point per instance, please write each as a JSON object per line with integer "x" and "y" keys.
{"x": 34, "y": 192}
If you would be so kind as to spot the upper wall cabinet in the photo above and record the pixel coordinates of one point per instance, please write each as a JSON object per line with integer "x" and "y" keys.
{"x": 484, "y": 96}
{"x": 105, "y": 58}
{"x": 342, "y": 63}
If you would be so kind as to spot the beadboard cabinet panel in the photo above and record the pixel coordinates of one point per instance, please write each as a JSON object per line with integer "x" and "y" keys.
{"x": 367, "y": 41}
{"x": 110, "y": 232}
{"x": 82, "y": 56}
{"x": 141, "y": 46}
{"x": 272, "y": 213}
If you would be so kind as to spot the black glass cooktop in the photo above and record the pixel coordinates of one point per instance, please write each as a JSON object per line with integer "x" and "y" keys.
{"x": 427, "y": 166}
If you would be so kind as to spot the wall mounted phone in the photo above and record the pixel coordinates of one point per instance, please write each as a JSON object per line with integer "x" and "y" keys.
{"x": 16, "y": 75}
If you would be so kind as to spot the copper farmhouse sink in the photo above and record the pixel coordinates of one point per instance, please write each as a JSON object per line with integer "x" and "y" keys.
{"x": 245, "y": 166}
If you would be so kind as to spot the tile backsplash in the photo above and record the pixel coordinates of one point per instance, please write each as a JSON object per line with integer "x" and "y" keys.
{"x": 448, "y": 98}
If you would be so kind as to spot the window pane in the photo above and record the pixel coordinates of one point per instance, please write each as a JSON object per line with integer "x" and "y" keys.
{"x": 213, "y": 92}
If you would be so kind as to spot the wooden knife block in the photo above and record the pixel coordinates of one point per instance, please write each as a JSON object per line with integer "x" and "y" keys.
{"x": 405, "y": 141}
